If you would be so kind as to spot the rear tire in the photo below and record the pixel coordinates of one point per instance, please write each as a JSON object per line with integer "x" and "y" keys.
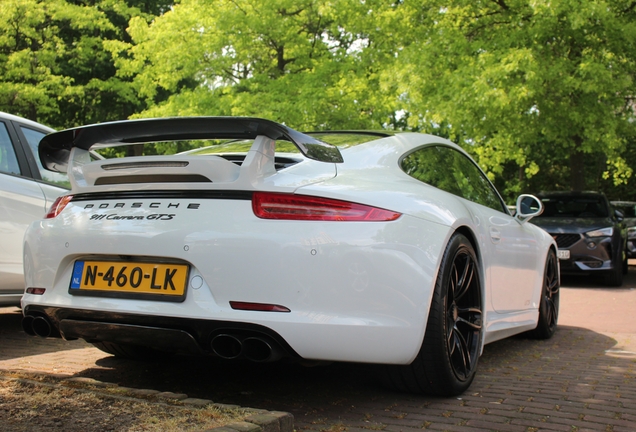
{"x": 549, "y": 303}
{"x": 134, "y": 352}
{"x": 447, "y": 360}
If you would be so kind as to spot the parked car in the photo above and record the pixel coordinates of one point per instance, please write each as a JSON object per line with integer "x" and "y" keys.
{"x": 589, "y": 232}
{"x": 392, "y": 249}
{"x": 628, "y": 209}
{"x": 27, "y": 191}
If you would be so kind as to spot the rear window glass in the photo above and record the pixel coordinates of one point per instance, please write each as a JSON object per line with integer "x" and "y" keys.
{"x": 55, "y": 178}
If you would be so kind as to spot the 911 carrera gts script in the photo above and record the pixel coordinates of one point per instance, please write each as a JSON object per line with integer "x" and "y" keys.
{"x": 164, "y": 217}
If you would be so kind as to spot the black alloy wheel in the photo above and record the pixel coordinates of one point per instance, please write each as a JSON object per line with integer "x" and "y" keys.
{"x": 549, "y": 306}
{"x": 447, "y": 360}
{"x": 464, "y": 315}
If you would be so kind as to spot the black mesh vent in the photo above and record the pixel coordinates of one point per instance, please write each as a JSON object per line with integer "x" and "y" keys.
{"x": 566, "y": 240}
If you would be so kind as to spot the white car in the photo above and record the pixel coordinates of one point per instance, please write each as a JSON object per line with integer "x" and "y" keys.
{"x": 27, "y": 190}
{"x": 393, "y": 249}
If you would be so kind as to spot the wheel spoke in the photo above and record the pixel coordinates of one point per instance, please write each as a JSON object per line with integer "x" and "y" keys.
{"x": 463, "y": 357}
{"x": 551, "y": 312}
{"x": 473, "y": 317}
{"x": 452, "y": 340}
{"x": 452, "y": 286}
{"x": 465, "y": 279}
{"x": 469, "y": 323}
{"x": 550, "y": 316}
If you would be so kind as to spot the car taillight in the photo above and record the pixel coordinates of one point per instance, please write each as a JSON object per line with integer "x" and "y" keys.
{"x": 58, "y": 206}
{"x": 267, "y": 205}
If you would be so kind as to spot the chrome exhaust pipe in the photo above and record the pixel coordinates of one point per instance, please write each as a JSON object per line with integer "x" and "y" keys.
{"x": 27, "y": 325}
{"x": 41, "y": 327}
{"x": 226, "y": 346}
{"x": 260, "y": 350}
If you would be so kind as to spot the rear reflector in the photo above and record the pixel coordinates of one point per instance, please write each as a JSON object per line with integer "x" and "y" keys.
{"x": 267, "y": 205}
{"x": 58, "y": 206}
{"x": 261, "y": 307}
{"x": 36, "y": 291}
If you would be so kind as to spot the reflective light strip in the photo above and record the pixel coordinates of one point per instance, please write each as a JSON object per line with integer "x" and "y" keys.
{"x": 267, "y": 205}
{"x": 261, "y": 307}
{"x": 35, "y": 291}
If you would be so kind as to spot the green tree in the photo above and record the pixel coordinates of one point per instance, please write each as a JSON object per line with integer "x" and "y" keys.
{"x": 308, "y": 63}
{"x": 534, "y": 85}
{"x": 53, "y": 65}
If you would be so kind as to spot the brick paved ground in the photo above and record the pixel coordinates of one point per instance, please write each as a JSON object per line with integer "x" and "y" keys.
{"x": 582, "y": 379}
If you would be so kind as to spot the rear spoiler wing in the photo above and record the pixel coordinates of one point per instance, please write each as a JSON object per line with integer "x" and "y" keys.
{"x": 54, "y": 148}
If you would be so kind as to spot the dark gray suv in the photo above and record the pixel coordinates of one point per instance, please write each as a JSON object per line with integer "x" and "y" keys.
{"x": 589, "y": 232}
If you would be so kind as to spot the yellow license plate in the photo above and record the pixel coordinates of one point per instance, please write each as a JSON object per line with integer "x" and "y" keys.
{"x": 156, "y": 279}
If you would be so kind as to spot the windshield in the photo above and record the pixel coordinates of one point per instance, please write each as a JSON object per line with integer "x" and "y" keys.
{"x": 574, "y": 207}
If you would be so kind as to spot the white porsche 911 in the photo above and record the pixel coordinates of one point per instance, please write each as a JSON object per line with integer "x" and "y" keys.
{"x": 393, "y": 249}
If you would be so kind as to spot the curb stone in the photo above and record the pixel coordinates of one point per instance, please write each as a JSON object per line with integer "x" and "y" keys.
{"x": 257, "y": 420}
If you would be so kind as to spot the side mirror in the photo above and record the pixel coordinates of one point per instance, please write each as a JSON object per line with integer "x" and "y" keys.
{"x": 528, "y": 206}
{"x": 619, "y": 215}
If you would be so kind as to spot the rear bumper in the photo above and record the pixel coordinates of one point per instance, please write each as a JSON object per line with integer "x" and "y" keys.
{"x": 356, "y": 292}
{"x": 178, "y": 335}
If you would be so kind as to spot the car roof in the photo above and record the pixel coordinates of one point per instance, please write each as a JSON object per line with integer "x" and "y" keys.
{"x": 7, "y": 116}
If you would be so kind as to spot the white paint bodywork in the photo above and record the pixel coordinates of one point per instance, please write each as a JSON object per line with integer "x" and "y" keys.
{"x": 22, "y": 201}
{"x": 357, "y": 291}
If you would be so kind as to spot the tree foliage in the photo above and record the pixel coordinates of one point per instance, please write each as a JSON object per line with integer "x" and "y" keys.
{"x": 309, "y": 63}
{"x": 53, "y": 64}
{"x": 533, "y": 84}
{"x": 539, "y": 91}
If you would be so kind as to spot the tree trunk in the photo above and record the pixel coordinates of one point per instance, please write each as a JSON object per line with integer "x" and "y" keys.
{"x": 135, "y": 150}
{"x": 577, "y": 170}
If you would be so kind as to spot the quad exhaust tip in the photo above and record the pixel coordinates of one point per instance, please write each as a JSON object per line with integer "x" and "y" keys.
{"x": 38, "y": 326}
{"x": 252, "y": 348}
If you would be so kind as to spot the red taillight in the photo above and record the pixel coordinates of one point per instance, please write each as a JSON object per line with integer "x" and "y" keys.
{"x": 260, "y": 307}
{"x": 58, "y": 206}
{"x": 268, "y": 205}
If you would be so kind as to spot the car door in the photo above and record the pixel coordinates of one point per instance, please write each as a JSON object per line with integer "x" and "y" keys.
{"x": 508, "y": 248}
{"x": 20, "y": 199}
{"x": 24, "y": 197}
{"x": 513, "y": 255}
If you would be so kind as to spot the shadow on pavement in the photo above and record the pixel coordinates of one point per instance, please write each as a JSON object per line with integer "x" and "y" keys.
{"x": 14, "y": 343}
{"x": 577, "y": 377}
{"x": 576, "y": 365}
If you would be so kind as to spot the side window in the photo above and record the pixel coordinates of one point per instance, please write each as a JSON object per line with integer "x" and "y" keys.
{"x": 8, "y": 159}
{"x": 33, "y": 138}
{"x": 449, "y": 170}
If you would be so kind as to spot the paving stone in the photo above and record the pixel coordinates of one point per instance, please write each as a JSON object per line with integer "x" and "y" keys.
{"x": 584, "y": 377}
